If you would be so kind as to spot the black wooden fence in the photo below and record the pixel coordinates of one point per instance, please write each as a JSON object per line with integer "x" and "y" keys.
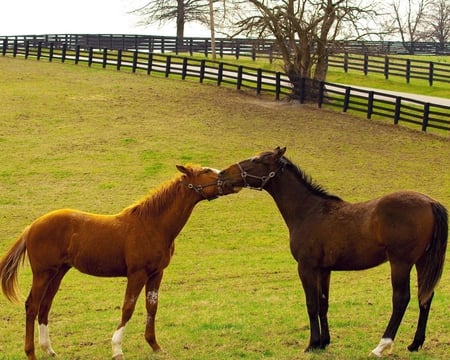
{"x": 373, "y": 104}
{"x": 348, "y": 56}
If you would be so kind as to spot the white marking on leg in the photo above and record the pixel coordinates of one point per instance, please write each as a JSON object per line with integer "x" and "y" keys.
{"x": 116, "y": 342}
{"x": 386, "y": 344}
{"x": 152, "y": 297}
{"x": 44, "y": 340}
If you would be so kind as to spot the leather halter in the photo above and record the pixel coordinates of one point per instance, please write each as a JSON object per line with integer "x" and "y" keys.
{"x": 264, "y": 179}
{"x": 199, "y": 189}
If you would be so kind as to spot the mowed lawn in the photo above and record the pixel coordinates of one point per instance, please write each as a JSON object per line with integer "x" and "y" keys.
{"x": 97, "y": 140}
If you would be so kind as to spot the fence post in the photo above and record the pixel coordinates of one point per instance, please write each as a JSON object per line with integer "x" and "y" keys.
{"x": 398, "y": 104}
{"x": 64, "y": 52}
{"x": 239, "y": 77}
{"x": 408, "y": 70}
{"x": 77, "y": 54}
{"x": 119, "y": 59}
{"x": 259, "y": 81}
{"x": 206, "y": 48}
{"x": 370, "y": 105}
{"x": 91, "y": 56}
{"x": 431, "y": 73}
{"x": 135, "y": 61}
{"x": 168, "y": 61}
{"x": 27, "y": 48}
{"x": 345, "y": 61}
{"x": 39, "y": 50}
{"x": 149, "y": 63}
{"x": 105, "y": 57}
{"x": 346, "y": 99}
{"x": 52, "y": 47}
{"x": 426, "y": 115}
{"x": 15, "y": 47}
{"x": 5, "y": 46}
{"x": 321, "y": 93}
{"x": 386, "y": 67}
{"x": 184, "y": 69}
{"x": 277, "y": 85}
{"x": 366, "y": 64}
{"x": 202, "y": 70}
{"x": 220, "y": 74}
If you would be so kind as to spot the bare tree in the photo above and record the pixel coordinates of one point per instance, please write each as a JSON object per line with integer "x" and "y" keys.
{"x": 181, "y": 11}
{"x": 408, "y": 20}
{"x": 302, "y": 30}
{"x": 438, "y": 21}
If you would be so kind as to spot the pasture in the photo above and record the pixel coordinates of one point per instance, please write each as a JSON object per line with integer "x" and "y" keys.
{"x": 97, "y": 140}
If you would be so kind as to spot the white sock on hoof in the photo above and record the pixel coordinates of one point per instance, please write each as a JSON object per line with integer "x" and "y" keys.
{"x": 44, "y": 340}
{"x": 116, "y": 343}
{"x": 386, "y": 344}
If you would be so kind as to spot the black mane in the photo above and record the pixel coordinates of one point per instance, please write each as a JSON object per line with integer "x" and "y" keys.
{"x": 306, "y": 179}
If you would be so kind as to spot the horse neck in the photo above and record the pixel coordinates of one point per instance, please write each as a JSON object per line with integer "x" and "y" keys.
{"x": 293, "y": 198}
{"x": 170, "y": 212}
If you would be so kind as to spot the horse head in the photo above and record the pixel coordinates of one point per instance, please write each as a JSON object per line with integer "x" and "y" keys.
{"x": 253, "y": 173}
{"x": 203, "y": 180}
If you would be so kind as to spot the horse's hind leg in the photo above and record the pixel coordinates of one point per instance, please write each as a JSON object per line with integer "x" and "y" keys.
{"x": 38, "y": 289}
{"x": 400, "y": 275}
{"x": 46, "y": 303}
{"x": 419, "y": 337}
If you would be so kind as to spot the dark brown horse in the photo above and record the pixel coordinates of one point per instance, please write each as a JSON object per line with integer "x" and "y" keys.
{"x": 137, "y": 243}
{"x": 327, "y": 233}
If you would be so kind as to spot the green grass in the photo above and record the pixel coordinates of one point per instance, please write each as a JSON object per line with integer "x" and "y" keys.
{"x": 97, "y": 140}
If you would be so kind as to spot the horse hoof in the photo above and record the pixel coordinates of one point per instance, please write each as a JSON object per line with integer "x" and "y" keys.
{"x": 118, "y": 357}
{"x": 415, "y": 346}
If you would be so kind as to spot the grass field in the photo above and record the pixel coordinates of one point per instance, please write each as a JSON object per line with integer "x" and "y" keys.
{"x": 97, "y": 140}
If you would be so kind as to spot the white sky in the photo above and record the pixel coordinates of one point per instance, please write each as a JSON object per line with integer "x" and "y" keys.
{"x": 28, "y": 17}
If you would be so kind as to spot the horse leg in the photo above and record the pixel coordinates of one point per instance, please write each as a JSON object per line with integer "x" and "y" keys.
{"x": 323, "y": 308}
{"x": 46, "y": 303}
{"x": 400, "y": 275}
{"x": 151, "y": 296}
{"x": 310, "y": 283}
{"x": 419, "y": 337}
{"x": 32, "y": 304}
{"x": 135, "y": 284}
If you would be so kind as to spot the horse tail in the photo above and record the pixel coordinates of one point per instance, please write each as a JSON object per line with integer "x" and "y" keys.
{"x": 434, "y": 257}
{"x": 9, "y": 267}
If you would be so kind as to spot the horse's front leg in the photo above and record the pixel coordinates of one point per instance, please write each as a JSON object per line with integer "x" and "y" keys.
{"x": 151, "y": 296}
{"x": 135, "y": 284}
{"x": 310, "y": 281}
{"x": 323, "y": 308}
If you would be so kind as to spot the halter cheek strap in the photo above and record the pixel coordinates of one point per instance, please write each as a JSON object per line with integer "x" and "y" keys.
{"x": 199, "y": 189}
{"x": 264, "y": 179}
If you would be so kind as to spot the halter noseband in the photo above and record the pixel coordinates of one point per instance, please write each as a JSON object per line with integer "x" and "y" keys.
{"x": 199, "y": 189}
{"x": 264, "y": 179}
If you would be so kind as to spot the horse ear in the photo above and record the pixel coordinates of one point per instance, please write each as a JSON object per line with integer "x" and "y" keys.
{"x": 279, "y": 152}
{"x": 183, "y": 169}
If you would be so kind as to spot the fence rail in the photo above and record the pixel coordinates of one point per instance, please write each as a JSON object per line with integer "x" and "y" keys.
{"x": 371, "y": 103}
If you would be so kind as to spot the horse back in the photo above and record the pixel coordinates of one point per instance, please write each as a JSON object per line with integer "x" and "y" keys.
{"x": 94, "y": 244}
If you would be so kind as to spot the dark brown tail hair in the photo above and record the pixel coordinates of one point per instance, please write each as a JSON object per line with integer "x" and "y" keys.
{"x": 434, "y": 257}
{"x": 9, "y": 267}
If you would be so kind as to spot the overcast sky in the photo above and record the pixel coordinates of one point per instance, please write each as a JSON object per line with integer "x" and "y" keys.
{"x": 27, "y": 17}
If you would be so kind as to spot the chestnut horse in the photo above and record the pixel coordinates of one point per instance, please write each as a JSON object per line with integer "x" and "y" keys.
{"x": 327, "y": 233}
{"x": 137, "y": 243}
